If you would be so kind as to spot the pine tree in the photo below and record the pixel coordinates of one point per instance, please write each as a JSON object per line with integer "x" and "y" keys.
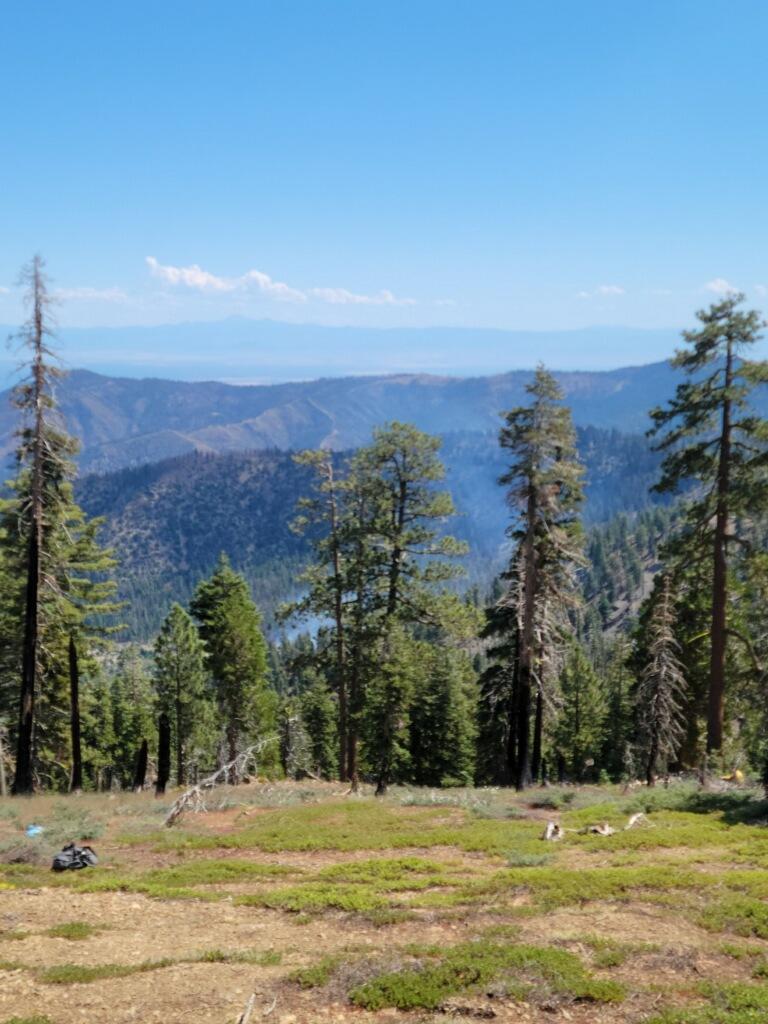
{"x": 295, "y": 743}
{"x": 384, "y": 720}
{"x": 380, "y": 558}
{"x": 319, "y": 716}
{"x": 497, "y": 706}
{"x": 544, "y": 495}
{"x": 98, "y": 730}
{"x": 133, "y": 717}
{"x": 325, "y": 577}
{"x": 661, "y": 689}
{"x": 180, "y": 684}
{"x": 711, "y": 437}
{"x": 442, "y": 730}
{"x": 580, "y": 728}
{"x": 236, "y": 656}
{"x": 401, "y": 467}
{"x": 399, "y": 561}
{"x": 618, "y": 682}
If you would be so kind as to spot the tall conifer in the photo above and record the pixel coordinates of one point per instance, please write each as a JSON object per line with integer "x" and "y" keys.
{"x": 713, "y": 439}
{"x": 544, "y": 495}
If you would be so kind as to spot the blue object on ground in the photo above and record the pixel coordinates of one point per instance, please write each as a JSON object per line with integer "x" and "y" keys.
{"x": 34, "y": 830}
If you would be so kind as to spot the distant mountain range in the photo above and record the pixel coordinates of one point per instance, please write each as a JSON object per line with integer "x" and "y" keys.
{"x": 267, "y": 351}
{"x": 127, "y": 422}
{"x": 182, "y": 471}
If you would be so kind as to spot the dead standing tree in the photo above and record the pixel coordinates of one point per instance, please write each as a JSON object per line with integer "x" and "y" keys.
{"x": 544, "y": 493}
{"x": 33, "y": 398}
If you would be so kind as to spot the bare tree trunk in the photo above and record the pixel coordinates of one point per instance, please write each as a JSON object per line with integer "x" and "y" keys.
{"x": 512, "y": 741}
{"x": 23, "y": 781}
{"x": 527, "y": 646}
{"x": 354, "y": 700}
{"x": 355, "y": 694}
{"x": 3, "y": 791}
{"x": 338, "y": 609}
{"x": 76, "y": 779}
{"x": 180, "y": 777}
{"x": 24, "y": 778}
{"x": 163, "y": 754}
{"x": 523, "y": 767}
{"x": 396, "y": 561}
{"x": 537, "y": 730}
{"x": 650, "y": 770}
{"x": 352, "y": 771}
{"x": 140, "y": 770}
{"x": 720, "y": 575}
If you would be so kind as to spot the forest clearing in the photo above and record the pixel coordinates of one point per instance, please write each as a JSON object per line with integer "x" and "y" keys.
{"x": 423, "y": 905}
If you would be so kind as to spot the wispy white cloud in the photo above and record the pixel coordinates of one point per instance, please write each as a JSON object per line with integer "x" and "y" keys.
{"x": 719, "y": 286}
{"x": 192, "y": 277}
{"x": 204, "y": 281}
{"x": 445, "y": 302}
{"x": 610, "y": 289}
{"x": 92, "y": 294}
{"x": 4, "y": 291}
{"x": 274, "y": 289}
{"x": 761, "y": 289}
{"x": 602, "y": 290}
{"x": 343, "y": 297}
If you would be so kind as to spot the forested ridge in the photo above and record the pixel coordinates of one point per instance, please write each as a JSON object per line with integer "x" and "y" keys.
{"x": 123, "y": 422}
{"x": 551, "y": 602}
{"x": 168, "y": 524}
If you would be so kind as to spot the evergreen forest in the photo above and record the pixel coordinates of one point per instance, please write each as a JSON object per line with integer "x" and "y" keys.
{"x": 367, "y": 633}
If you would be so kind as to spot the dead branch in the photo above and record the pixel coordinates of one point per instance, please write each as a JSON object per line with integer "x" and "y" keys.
{"x": 554, "y": 831}
{"x": 192, "y": 798}
{"x": 245, "y": 1016}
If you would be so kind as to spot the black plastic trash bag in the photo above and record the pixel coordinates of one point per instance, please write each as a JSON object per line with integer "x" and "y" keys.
{"x": 73, "y": 858}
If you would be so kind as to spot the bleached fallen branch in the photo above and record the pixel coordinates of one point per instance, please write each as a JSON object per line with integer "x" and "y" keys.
{"x": 192, "y": 799}
{"x": 245, "y": 1016}
{"x": 554, "y": 831}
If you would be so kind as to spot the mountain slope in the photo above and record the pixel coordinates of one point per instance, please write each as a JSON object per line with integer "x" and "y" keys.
{"x": 170, "y": 520}
{"x": 124, "y": 422}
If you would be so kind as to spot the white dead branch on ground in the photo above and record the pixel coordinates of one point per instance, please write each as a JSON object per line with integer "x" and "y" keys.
{"x": 193, "y": 799}
{"x": 245, "y": 1016}
{"x": 555, "y": 831}
{"x": 250, "y": 1006}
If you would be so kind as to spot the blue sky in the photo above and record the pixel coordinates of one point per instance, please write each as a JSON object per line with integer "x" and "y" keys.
{"x": 514, "y": 164}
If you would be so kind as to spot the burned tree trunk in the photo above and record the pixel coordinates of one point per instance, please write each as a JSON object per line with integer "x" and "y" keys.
{"x": 140, "y": 769}
{"x": 23, "y": 781}
{"x": 76, "y": 780}
{"x": 163, "y": 754}
{"x": 720, "y": 573}
{"x": 537, "y": 730}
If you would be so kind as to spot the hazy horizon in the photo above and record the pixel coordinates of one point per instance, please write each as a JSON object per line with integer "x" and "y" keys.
{"x": 247, "y": 350}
